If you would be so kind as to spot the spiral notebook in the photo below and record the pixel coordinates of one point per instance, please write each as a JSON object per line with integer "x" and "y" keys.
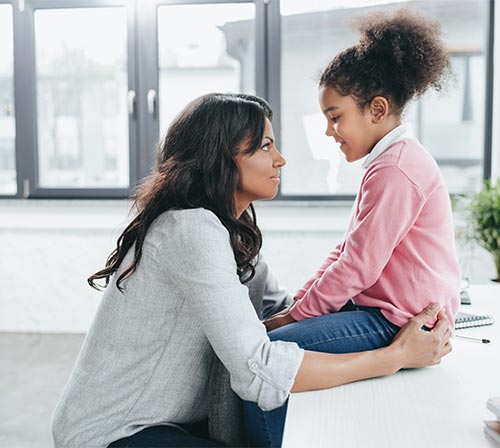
{"x": 466, "y": 320}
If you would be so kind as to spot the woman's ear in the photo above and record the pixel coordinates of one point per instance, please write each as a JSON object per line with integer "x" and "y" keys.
{"x": 379, "y": 108}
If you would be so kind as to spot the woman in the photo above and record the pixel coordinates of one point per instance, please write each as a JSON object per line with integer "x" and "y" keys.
{"x": 175, "y": 299}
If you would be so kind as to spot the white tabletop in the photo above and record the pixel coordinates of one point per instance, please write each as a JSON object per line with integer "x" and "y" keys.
{"x": 441, "y": 406}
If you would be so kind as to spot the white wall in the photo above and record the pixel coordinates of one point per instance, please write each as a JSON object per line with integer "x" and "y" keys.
{"x": 47, "y": 251}
{"x": 496, "y": 100}
{"x": 48, "y": 248}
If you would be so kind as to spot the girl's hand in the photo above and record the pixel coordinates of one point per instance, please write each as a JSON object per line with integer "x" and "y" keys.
{"x": 278, "y": 320}
{"x": 419, "y": 348}
{"x": 281, "y": 318}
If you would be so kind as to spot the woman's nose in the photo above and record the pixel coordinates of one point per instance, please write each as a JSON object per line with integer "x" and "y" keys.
{"x": 279, "y": 160}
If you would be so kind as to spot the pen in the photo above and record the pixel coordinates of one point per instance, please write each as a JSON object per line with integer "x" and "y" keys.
{"x": 484, "y": 341}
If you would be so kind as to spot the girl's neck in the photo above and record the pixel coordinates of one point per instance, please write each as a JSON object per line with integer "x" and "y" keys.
{"x": 389, "y": 124}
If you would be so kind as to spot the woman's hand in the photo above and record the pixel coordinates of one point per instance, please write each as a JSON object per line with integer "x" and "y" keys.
{"x": 412, "y": 347}
{"x": 418, "y": 348}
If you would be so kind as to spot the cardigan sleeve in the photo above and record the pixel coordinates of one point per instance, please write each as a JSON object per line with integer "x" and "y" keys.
{"x": 388, "y": 207}
{"x": 200, "y": 262}
{"x": 275, "y": 298}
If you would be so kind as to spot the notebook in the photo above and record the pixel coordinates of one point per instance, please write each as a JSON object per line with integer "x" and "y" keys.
{"x": 466, "y": 320}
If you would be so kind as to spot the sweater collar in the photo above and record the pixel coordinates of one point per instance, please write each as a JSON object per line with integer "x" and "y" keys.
{"x": 399, "y": 133}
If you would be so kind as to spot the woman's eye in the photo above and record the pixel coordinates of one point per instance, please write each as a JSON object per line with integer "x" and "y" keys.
{"x": 266, "y": 147}
{"x": 335, "y": 119}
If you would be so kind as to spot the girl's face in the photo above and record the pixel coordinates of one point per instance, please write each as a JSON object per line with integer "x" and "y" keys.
{"x": 353, "y": 129}
{"x": 259, "y": 173}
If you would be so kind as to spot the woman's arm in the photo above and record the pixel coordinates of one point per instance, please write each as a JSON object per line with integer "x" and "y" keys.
{"x": 195, "y": 259}
{"x": 275, "y": 298}
{"x": 412, "y": 347}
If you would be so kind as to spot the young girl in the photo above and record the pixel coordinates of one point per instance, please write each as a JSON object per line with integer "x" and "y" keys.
{"x": 398, "y": 254}
{"x": 175, "y": 303}
{"x": 399, "y": 251}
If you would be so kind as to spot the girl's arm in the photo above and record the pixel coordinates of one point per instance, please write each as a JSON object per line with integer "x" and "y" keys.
{"x": 332, "y": 257}
{"x": 388, "y": 208}
{"x": 411, "y": 348}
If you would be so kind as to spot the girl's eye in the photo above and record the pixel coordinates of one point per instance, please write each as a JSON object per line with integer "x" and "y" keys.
{"x": 266, "y": 147}
{"x": 335, "y": 119}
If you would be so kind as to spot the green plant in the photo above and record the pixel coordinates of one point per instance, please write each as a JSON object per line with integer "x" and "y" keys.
{"x": 483, "y": 219}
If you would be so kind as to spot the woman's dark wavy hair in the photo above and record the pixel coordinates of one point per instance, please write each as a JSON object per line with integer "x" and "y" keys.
{"x": 398, "y": 57}
{"x": 196, "y": 168}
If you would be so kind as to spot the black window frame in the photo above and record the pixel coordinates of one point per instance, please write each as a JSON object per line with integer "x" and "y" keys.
{"x": 144, "y": 131}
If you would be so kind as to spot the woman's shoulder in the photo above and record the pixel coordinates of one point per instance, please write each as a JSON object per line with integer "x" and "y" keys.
{"x": 185, "y": 218}
{"x": 188, "y": 224}
{"x": 190, "y": 237}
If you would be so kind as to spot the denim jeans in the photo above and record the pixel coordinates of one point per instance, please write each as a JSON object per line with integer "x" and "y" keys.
{"x": 167, "y": 436}
{"x": 352, "y": 329}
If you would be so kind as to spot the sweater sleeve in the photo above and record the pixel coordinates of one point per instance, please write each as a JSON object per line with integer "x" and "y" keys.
{"x": 388, "y": 207}
{"x": 200, "y": 262}
{"x": 332, "y": 257}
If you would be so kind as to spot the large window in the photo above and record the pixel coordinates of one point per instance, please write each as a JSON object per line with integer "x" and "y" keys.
{"x": 97, "y": 83}
{"x": 81, "y": 97}
{"x": 199, "y": 53}
{"x": 7, "y": 123}
{"x": 450, "y": 124}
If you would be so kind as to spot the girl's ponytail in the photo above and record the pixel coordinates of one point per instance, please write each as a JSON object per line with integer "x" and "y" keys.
{"x": 398, "y": 56}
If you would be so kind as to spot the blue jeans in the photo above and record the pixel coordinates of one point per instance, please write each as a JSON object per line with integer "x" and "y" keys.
{"x": 167, "y": 436}
{"x": 353, "y": 329}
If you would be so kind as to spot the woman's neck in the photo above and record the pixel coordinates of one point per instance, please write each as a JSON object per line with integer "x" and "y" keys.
{"x": 241, "y": 207}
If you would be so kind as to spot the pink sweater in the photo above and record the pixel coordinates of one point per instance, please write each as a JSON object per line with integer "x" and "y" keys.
{"x": 399, "y": 251}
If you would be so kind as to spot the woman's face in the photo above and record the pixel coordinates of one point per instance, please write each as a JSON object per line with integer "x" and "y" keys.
{"x": 259, "y": 173}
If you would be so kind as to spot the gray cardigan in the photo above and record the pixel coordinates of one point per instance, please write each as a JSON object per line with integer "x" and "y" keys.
{"x": 150, "y": 356}
{"x": 225, "y": 414}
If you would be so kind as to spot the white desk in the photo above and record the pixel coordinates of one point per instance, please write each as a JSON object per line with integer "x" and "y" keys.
{"x": 435, "y": 407}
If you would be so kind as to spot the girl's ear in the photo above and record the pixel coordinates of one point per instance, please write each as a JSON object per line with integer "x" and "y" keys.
{"x": 379, "y": 109}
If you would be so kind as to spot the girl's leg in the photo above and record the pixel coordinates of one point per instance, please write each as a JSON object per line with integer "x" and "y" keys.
{"x": 162, "y": 436}
{"x": 354, "y": 329}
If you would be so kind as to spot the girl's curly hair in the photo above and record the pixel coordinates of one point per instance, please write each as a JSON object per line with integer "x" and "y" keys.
{"x": 398, "y": 56}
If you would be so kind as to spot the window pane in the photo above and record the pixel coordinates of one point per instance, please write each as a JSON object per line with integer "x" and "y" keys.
{"x": 449, "y": 124}
{"x": 202, "y": 49}
{"x": 81, "y": 68}
{"x": 7, "y": 123}
{"x": 452, "y": 126}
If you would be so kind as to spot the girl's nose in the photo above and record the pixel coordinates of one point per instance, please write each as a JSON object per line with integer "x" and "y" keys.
{"x": 329, "y": 132}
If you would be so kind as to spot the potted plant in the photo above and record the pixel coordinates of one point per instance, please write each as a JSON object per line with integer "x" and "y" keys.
{"x": 483, "y": 219}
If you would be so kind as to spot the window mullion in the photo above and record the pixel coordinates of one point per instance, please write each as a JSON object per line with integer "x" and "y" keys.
{"x": 25, "y": 101}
